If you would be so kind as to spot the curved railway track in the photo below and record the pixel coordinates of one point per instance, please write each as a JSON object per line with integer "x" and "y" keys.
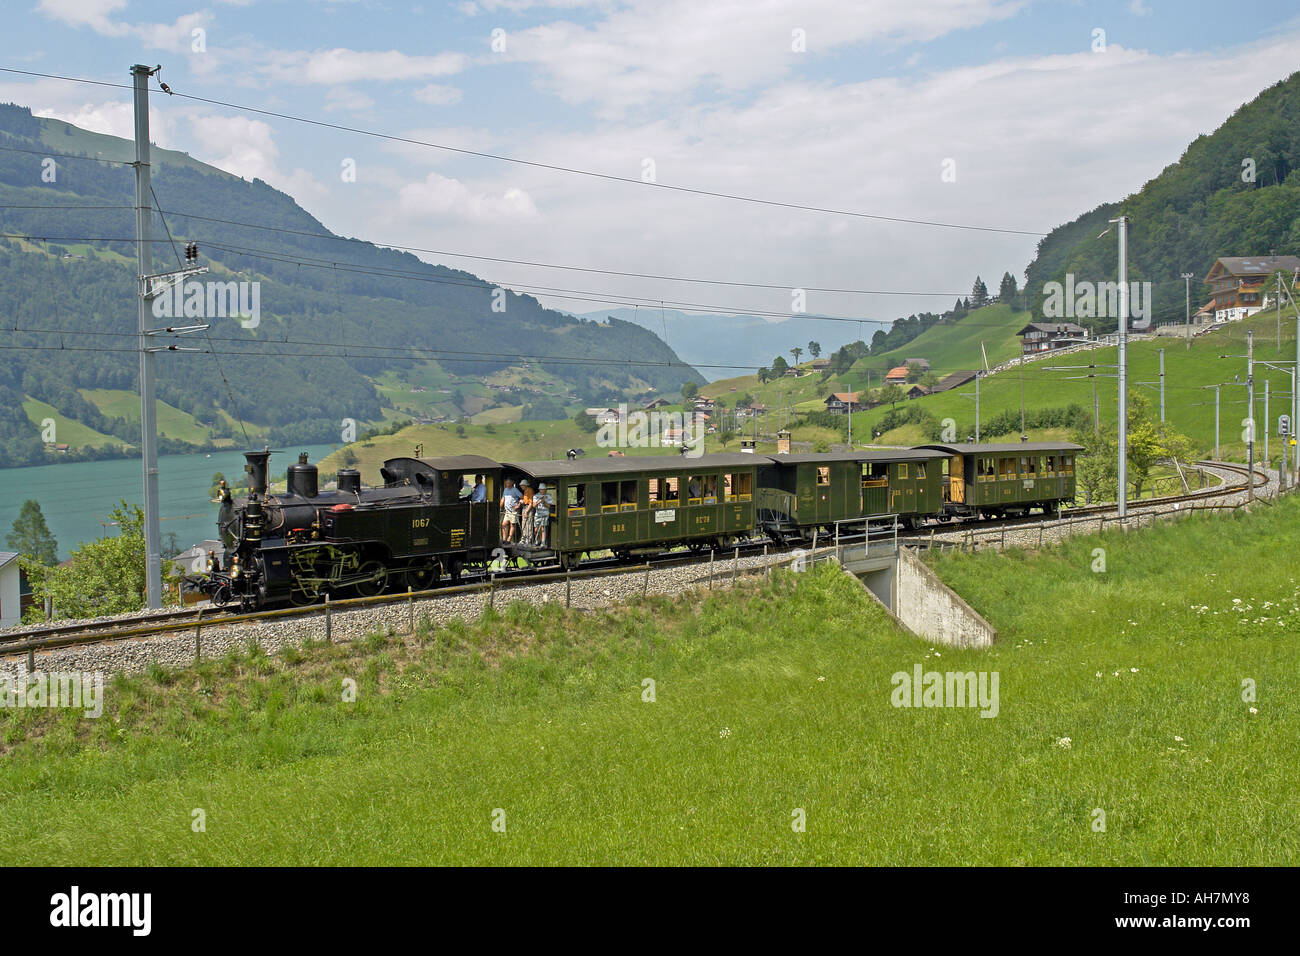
{"x": 76, "y": 633}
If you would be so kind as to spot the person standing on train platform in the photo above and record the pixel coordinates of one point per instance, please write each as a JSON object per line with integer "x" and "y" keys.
{"x": 526, "y": 513}
{"x": 510, "y": 499}
{"x": 542, "y": 505}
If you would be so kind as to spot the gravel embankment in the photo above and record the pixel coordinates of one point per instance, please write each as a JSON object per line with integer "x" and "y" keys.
{"x": 177, "y": 650}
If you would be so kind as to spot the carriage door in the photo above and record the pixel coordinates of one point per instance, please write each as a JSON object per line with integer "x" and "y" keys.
{"x": 823, "y": 492}
{"x": 957, "y": 480}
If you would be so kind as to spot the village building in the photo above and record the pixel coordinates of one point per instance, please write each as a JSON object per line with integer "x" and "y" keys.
{"x": 843, "y": 402}
{"x": 953, "y": 380}
{"x": 1237, "y": 283}
{"x": 1046, "y": 336}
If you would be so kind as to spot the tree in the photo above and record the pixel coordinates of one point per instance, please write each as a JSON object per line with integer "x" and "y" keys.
{"x": 31, "y": 536}
{"x": 892, "y": 394}
{"x": 725, "y": 436}
{"x": 796, "y": 352}
{"x": 690, "y": 390}
{"x": 764, "y": 374}
{"x": 914, "y": 371}
{"x": 585, "y": 422}
{"x": 779, "y": 365}
{"x": 815, "y": 349}
{"x": 105, "y": 576}
{"x": 349, "y": 457}
{"x": 979, "y": 293}
{"x": 929, "y": 380}
{"x": 1095, "y": 471}
{"x": 1007, "y": 291}
{"x": 214, "y": 490}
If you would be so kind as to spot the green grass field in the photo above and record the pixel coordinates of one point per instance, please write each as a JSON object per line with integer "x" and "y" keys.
{"x": 1119, "y": 691}
{"x": 172, "y": 422}
{"x": 66, "y": 431}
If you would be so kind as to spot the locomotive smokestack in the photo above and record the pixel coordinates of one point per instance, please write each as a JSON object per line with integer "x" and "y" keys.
{"x": 256, "y": 469}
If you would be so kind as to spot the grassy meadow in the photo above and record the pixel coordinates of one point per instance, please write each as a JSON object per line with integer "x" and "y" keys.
{"x": 1119, "y": 690}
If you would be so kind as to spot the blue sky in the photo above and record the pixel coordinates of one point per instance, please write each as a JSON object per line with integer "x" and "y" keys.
{"x": 1036, "y": 122}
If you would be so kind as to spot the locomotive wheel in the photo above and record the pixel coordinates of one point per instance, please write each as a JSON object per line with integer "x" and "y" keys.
{"x": 378, "y": 575}
{"x": 697, "y": 547}
{"x": 424, "y": 578}
{"x": 301, "y": 597}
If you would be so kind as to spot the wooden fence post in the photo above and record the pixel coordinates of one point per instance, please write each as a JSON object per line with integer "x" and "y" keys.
{"x": 327, "y": 620}
{"x": 492, "y": 590}
{"x": 711, "y": 554}
{"x": 568, "y": 587}
{"x": 735, "y": 566}
{"x": 645, "y": 584}
{"x": 410, "y": 610}
{"x": 198, "y": 636}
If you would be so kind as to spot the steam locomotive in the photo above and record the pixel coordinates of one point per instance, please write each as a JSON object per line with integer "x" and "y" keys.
{"x": 299, "y": 546}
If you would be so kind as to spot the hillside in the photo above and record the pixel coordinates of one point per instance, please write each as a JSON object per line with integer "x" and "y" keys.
{"x": 1188, "y": 372}
{"x": 957, "y": 347}
{"x": 373, "y": 323}
{"x": 1235, "y": 192}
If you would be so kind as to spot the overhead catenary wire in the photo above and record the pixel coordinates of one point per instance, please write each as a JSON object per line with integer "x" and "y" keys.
{"x": 536, "y": 164}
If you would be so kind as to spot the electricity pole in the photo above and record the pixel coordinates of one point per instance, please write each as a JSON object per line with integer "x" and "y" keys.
{"x": 1162, "y": 385}
{"x": 1266, "y": 421}
{"x": 1216, "y": 423}
{"x": 977, "y": 406}
{"x": 148, "y": 411}
{"x": 1250, "y": 414}
{"x": 1187, "y": 290}
{"x": 1122, "y": 510}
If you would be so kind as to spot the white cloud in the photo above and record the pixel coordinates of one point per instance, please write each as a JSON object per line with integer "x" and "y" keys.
{"x": 98, "y": 15}
{"x": 237, "y": 144}
{"x": 639, "y": 54}
{"x": 95, "y": 14}
{"x": 440, "y": 197}
{"x": 349, "y": 100}
{"x": 436, "y": 94}
{"x": 349, "y": 66}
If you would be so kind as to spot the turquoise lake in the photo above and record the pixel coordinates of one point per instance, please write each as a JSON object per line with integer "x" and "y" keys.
{"x": 76, "y": 497}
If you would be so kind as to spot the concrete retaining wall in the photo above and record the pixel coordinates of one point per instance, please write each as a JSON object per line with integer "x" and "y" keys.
{"x": 929, "y": 608}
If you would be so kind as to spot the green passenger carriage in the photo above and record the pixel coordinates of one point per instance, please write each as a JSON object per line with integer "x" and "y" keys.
{"x": 1010, "y": 478}
{"x": 640, "y": 504}
{"x": 798, "y": 492}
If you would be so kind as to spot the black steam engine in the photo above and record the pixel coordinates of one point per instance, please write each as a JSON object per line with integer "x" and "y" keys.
{"x": 302, "y": 545}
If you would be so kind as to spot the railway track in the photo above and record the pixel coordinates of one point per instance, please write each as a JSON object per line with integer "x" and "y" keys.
{"x": 73, "y": 634}
{"x": 52, "y": 636}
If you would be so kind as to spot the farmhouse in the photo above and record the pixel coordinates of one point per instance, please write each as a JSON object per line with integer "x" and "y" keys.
{"x": 1238, "y": 283}
{"x": 954, "y": 380}
{"x": 1046, "y": 336}
{"x": 843, "y": 402}
{"x": 896, "y": 376}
